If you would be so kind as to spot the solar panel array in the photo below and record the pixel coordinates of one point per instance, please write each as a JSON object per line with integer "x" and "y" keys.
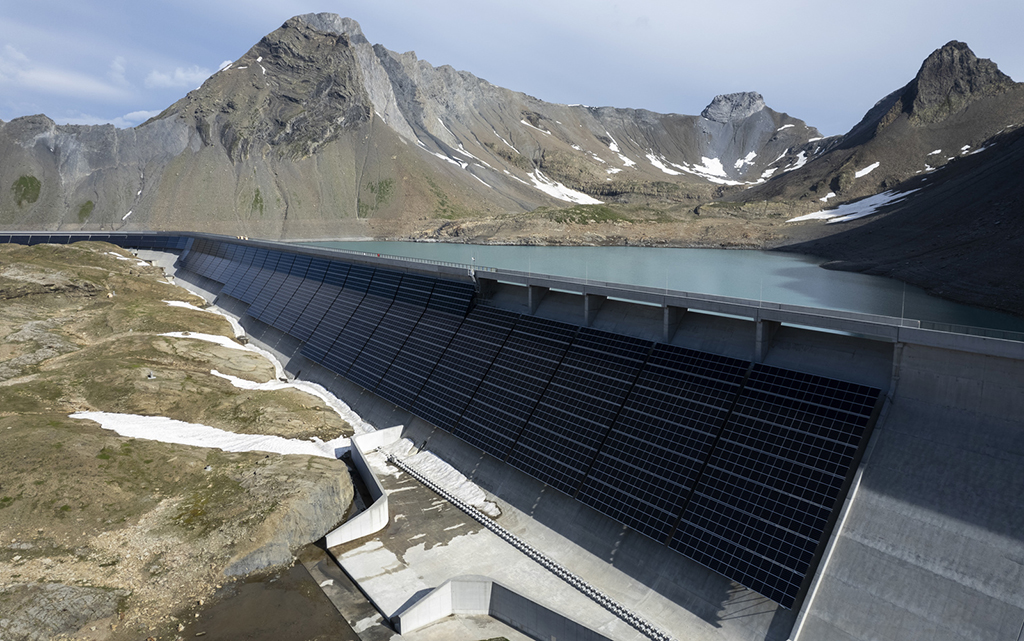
{"x": 738, "y": 466}
{"x": 131, "y": 241}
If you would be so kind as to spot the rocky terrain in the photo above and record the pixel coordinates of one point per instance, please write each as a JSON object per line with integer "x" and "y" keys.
{"x": 315, "y": 133}
{"x": 106, "y": 537}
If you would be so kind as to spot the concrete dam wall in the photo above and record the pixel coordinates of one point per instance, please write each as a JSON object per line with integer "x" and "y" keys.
{"x": 920, "y": 530}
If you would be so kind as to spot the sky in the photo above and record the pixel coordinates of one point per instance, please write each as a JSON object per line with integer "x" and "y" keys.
{"x": 122, "y": 62}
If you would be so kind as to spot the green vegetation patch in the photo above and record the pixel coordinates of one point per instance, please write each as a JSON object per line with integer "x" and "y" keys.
{"x": 445, "y": 208}
{"x": 85, "y": 211}
{"x": 584, "y": 215}
{"x": 205, "y": 509}
{"x": 257, "y": 202}
{"x": 381, "y": 193}
{"x": 26, "y": 190}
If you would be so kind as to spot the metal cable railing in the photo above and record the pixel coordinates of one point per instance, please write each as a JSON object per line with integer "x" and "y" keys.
{"x": 635, "y": 621}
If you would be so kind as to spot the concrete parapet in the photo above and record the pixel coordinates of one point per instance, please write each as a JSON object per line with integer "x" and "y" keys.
{"x": 763, "y": 335}
{"x": 592, "y": 304}
{"x": 375, "y": 517}
{"x": 535, "y": 294}
{"x": 672, "y": 317}
{"x": 479, "y": 595}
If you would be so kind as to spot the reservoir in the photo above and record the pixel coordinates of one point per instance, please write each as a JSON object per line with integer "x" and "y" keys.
{"x": 775, "y": 277}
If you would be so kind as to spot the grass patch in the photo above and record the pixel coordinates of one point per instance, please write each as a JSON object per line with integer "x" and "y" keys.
{"x": 445, "y": 208}
{"x": 381, "y": 193}
{"x": 85, "y": 211}
{"x": 203, "y": 511}
{"x": 583, "y": 215}
{"x": 26, "y": 190}
{"x": 257, "y": 202}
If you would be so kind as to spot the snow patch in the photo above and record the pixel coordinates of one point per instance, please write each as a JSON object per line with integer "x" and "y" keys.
{"x": 313, "y": 389}
{"x": 481, "y": 180}
{"x": 867, "y": 170}
{"x": 828, "y": 196}
{"x": 746, "y": 160}
{"x": 167, "y": 430}
{"x": 657, "y": 162}
{"x": 235, "y": 326}
{"x": 123, "y": 218}
{"x": 784, "y": 127}
{"x": 504, "y": 141}
{"x": 443, "y": 474}
{"x": 801, "y": 160}
{"x": 852, "y": 211}
{"x": 814, "y": 139}
{"x": 768, "y": 173}
{"x": 613, "y": 170}
{"x": 543, "y": 131}
{"x": 560, "y": 191}
{"x": 937, "y": 151}
{"x": 628, "y": 162}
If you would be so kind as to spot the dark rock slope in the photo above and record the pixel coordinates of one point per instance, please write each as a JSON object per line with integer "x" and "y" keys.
{"x": 960, "y": 235}
{"x": 953, "y": 106}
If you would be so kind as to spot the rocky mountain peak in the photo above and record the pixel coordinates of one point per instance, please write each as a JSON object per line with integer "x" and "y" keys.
{"x": 951, "y": 77}
{"x": 333, "y": 23}
{"x": 731, "y": 107}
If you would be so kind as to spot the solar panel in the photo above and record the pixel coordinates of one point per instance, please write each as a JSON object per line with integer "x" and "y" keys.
{"x": 760, "y": 510}
{"x": 222, "y": 256}
{"x": 239, "y": 275}
{"x": 459, "y": 371}
{"x": 582, "y": 400}
{"x": 259, "y": 281}
{"x": 420, "y": 353}
{"x": 321, "y": 302}
{"x": 451, "y": 296}
{"x": 514, "y": 384}
{"x": 337, "y": 316}
{"x": 364, "y": 321}
{"x": 658, "y": 445}
{"x": 303, "y": 297}
{"x": 198, "y": 262}
{"x": 274, "y": 282}
{"x": 292, "y": 282}
{"x": 392, "y": 331}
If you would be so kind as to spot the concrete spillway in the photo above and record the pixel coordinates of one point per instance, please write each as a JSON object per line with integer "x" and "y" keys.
{"x": 930, "y": 541}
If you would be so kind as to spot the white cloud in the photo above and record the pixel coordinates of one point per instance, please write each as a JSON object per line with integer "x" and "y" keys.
{"x": 179, "y": 78}
{"x": 121, "y": 122}
{"x": 19, "y": 72}
{"x": 118, "y": 67}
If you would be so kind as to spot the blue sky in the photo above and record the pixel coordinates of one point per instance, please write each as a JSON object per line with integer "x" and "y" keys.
{"x": 116, "y": 61}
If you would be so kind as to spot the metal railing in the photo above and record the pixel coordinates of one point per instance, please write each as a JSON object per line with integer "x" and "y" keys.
{"x": 624, "y": 290}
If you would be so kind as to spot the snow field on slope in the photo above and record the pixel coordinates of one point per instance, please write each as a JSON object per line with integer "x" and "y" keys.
{"x": 853, "y": 211}
{"x": 167, "y": 430}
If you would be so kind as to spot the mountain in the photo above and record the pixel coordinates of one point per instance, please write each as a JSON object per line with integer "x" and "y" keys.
{"x": 315, "y": 132}
{"x": 953, "y": 106}
{"x": 958, "y": 233}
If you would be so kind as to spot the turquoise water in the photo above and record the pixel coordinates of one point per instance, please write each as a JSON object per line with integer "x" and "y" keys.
{"x": 757, "y": 275}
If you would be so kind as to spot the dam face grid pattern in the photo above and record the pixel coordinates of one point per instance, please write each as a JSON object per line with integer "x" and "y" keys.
{"x": 737, "y": 466}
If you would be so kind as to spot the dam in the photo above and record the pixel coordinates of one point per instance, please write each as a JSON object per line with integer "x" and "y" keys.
{"x": 858, "y": 476}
